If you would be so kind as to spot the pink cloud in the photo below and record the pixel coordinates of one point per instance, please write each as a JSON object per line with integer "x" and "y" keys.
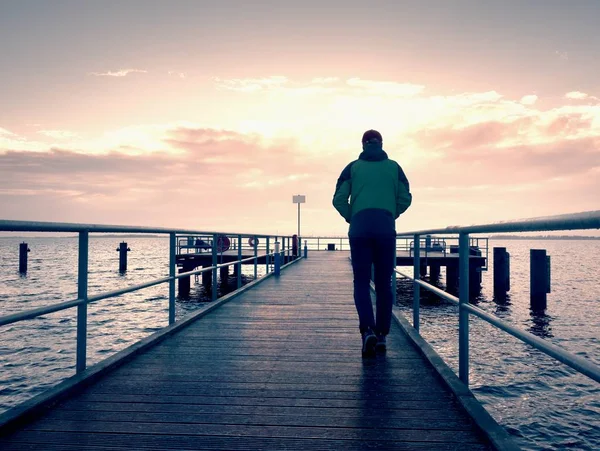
{"x": 118, "y": 73}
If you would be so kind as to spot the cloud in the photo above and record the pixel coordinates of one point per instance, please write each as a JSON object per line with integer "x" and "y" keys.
{"x": 250, "y": 84}
{"x": 529, "y": 99}
{"x": 576, "y": 95}
{"x": 176, "y": 74}
{"x": 118, "y": 73}
{"x": 492, "y": 154}
{"x": 386, "y": 88}
{"x": 4, "y": 132}
{"x": 324, "y": 80}
{"x": 58, "y": 134}
{"x": 215, "y": 176}
{"x": 562, "y": 55}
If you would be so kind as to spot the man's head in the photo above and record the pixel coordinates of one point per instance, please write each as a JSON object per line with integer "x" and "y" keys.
{"x": 372, "y": 136}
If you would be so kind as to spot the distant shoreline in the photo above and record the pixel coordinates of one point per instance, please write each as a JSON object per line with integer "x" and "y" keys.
{"x": 544, "y": 237}
{"x": 491, "y": 237}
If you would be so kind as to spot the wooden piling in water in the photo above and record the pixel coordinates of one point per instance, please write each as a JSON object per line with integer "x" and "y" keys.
{"x": 434, "y": 272}
{"x": 206, "y": 278}
{"x": 23, "y": 250}
{"x": 184, "y": 282}
{"x": 452, "y": 277}
{"x": 501, "y": 271}
{"x": 474, "y": 279}
{"x": 224, "y": 274}
{"x": 539, "y": 278}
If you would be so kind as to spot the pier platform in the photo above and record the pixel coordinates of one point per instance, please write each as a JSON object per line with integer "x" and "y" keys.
{"x": 278, "y": 367}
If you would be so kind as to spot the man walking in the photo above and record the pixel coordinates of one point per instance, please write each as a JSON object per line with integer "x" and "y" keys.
{"x": 371, "y": 193}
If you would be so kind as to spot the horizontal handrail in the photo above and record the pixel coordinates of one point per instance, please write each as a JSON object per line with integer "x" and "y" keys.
{"x": 568, "y": 358}
{"x": 433, "y": 289}
{"x": 42, "y": 226}
{"x": 83, "y": 299}
{"x": 40, "y": 311}
{"x": 576, "y": 221}
{"x": 34, "y": 313}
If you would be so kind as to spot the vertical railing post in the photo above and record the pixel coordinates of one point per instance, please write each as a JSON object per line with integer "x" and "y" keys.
{"x": 239, "y": 273}
{"x": 267, "y": 256}
{"x": 416, "y": 286}
{"x": 82, "y": 294}
{"x": 255, "y": 256}
{"x": 172, "y": 267}
{"x": 286, "y": 249}
{"x": 463, "y": 314}
{"x": 277, "y": 260}
{"x": 214, "y": 265}
{"x": 394, "y": 275}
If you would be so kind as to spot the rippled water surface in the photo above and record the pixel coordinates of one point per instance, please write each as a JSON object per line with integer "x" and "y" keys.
{"x": 544, "y": 404}
{"x": 38, "y": 353}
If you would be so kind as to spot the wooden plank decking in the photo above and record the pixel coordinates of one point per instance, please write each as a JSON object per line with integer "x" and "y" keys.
{"x": 277, "y": 368}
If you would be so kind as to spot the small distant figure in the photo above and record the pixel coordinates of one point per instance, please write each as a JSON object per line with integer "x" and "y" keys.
{"x": 371, "y": 193}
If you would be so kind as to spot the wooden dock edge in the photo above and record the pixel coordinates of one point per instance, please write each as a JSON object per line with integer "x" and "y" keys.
{"x": 33, "y": 408}
{"x": 495, "y": 433}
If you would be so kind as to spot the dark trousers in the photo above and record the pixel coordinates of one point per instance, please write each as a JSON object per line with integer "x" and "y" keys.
{"x": 379, "y": 252}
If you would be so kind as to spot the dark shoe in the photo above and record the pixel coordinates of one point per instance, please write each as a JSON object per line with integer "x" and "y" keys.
{"x": 381, "y": 345}
{"x": 369, "y": 341}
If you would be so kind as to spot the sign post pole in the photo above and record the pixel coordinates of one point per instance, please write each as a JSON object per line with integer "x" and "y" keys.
{"x": 299, "y": 199}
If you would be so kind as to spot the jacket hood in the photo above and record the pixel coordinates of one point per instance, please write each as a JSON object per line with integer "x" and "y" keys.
{"x": 373, "y": 152}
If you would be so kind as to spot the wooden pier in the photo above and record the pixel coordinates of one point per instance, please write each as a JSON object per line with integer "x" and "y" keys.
{"x": 430, "y": 263}
{"x": 276, "y": 368}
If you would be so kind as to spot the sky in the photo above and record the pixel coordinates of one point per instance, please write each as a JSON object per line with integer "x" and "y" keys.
{"x": 211, "y": 115}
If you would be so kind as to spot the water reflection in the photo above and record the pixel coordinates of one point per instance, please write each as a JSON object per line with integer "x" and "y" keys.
{"x": 503, "y": 303}
{"x": 540, "y": 324}
{"x": 404, "y": 293}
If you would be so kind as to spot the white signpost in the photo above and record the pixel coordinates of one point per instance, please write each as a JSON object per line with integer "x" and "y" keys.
{"x": 299, "y": 199}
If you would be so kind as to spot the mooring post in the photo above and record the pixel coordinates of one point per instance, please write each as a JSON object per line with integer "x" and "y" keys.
{"x": 277, "y": 269}
{"x": 501, "y": 271}
{"x": 122, "y": 250}
{"x": 539, "y": 278}
{"x": 23, "y": 250}
{"x": 305, "y": 249}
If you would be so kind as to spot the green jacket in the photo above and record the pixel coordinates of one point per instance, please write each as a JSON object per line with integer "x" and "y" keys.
{"x": 371, "y": 182}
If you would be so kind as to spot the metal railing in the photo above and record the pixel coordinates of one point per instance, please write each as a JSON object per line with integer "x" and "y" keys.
{"x": 404, "y": 243}
{"x": 83, "y": 299}
{"x": 578, "y": 221}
